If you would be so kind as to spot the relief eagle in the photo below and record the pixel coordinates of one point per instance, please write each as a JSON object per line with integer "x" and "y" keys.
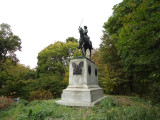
{"x": 77, "y": 69}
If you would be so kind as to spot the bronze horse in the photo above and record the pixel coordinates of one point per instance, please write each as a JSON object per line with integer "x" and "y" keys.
{"x": 84, "y": 44}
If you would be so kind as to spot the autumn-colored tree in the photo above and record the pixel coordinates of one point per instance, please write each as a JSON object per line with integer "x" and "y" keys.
{"x": 134, "y": 30}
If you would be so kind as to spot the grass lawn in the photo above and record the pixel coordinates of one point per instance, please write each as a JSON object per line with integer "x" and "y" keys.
{"x": 111, "y": 108}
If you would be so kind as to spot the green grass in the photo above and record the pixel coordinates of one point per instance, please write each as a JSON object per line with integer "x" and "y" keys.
{"x": 111, "y": 108}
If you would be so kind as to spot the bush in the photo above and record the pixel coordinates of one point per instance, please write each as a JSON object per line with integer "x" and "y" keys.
{"x": 52, "y": 83}
{"x": 4, "y": 102}
{"x": 155, "y": 93}
{"x": 40, "y": 95}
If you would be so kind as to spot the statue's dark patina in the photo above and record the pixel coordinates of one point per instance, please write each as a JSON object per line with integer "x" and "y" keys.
{"x": 84, "y": 41}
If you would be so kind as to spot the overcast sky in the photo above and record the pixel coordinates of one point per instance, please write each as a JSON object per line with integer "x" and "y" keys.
{"x": 40, "y": 23}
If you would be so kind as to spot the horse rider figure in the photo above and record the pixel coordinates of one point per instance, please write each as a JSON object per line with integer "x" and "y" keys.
{"x": 86, "y": 38}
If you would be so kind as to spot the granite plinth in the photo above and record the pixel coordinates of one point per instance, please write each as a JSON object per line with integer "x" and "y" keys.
{"x": 83, "y": 89}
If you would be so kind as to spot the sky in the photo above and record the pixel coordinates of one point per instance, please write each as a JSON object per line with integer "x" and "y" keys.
{"x": 40, "y": 23}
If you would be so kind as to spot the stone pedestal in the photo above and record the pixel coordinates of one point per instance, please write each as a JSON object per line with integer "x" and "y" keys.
{"x": 83, "y": 89}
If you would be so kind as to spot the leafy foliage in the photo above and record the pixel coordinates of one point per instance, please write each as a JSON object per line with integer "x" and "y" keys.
{"x": 52, "y": 83}
{"x": 71, "y": 39}
{"x": 13, "y": 79}
{"x": 20, "y": 81}
{"x": 40, "y": 95}
{"x": 111, "y": 74}
{"x": 9, "y": 43}
{"x": 133, "y": 30}
{"x": 53, "y": 66}
{"x": 53, "y": 58}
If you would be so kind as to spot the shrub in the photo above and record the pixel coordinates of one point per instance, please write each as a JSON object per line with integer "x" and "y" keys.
{"x": 4, "y": 102}
{"x": 46, "y": 81}
{"x": 40, "y": 95}
{"x": 155, "y": 93}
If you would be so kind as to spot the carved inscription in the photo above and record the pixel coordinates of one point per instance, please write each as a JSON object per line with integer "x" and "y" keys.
{"x": 77, "y": 69}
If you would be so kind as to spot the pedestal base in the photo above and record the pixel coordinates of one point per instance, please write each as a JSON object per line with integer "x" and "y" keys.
{"x": 80, "y": 104}
{"x": 81, "y": 96}
{"x": 83, "y": 89}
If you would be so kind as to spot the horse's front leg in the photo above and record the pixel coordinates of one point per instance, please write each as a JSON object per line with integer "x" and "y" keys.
{"x": 82, "y": 51}
{"x": 85, "y": 51}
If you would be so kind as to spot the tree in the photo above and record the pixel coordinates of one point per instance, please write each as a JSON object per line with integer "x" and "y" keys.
{"x": 134, "y": 29}
{"x": 53, "y": 66}
{"x": 14, "y": 78}
{"x": 55, "y": 57}
{"x": 110, "y": 74}
{"x": 71, "y": 39}
{"x": 9, "y": 43}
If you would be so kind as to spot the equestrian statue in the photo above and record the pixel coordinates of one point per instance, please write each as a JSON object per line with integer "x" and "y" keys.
{"x": 84, "y": 41}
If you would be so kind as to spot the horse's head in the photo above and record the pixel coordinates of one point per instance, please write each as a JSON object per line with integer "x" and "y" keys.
{"x": 80, "y": 30}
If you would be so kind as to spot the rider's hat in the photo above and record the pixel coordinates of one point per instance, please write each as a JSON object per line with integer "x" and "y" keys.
{"x": 85, "y": 27}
